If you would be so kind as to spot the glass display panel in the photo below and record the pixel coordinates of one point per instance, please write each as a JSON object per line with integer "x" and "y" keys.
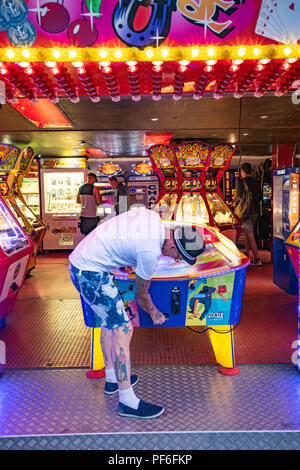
{"x": 191, "y": 208}
{"x": 12, "y": 238}
{"x": 60, "y": 192}
{"x": 219, "y": 210}
{"x": 30, "y": 192}
{"x": 166, "y": 206}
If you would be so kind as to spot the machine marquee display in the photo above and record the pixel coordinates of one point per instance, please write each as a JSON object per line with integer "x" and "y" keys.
{"x": 190, "y": 175}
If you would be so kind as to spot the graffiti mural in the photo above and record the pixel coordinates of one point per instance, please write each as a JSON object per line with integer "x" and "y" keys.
{"x": 144, "y": 23}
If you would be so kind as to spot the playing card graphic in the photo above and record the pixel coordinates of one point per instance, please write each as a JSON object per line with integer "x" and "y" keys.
{"x": 279, "y": 20}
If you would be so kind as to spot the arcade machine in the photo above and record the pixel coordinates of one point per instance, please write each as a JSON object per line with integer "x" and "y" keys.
{"x": 292, "y": 244}
{"x": 190, "y": 175}
{"x": 163, "y": 162}
{"x": 105, "y": 170}
{"x": 219, "y": 161}
{"x": 13, "y": 172}
{"x": 285, "y": 217}
{"x": 60, "y": 182}
{"x": 229, "y": 184}
{"x": 143, "y": 185}
{"x": 16, "y": 250}
{"x": 264, "y": 222}
{"x": 31, "y": 190}
{"x": 207, "y": 294}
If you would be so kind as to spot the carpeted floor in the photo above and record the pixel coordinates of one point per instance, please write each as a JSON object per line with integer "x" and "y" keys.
{"x": 46, "y": 328}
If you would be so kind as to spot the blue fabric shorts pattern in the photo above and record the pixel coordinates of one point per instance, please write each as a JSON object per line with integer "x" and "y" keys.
{"x": 98, "y": 291}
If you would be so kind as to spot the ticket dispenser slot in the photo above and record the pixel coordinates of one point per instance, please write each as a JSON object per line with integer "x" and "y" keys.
{"x": 175, "y": 300}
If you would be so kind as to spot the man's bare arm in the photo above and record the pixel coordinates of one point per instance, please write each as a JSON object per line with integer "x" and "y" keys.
{"x": 97, "y": 195}
{"x": 78, "y": 199}
{"x": 145, "y": 302}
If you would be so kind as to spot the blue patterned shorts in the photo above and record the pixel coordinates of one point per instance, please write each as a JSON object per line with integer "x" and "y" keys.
{"x": 100, "y": 295}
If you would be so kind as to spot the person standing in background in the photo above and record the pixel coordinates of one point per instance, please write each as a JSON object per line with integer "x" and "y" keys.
{"x": 121, "y": 196}
{"x": 247, "y": 182}
{"x": 89, "y": 198}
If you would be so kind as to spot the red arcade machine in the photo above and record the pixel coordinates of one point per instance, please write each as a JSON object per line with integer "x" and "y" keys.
{"x": 190, "y": 174}
{"x": 16, "y": 250}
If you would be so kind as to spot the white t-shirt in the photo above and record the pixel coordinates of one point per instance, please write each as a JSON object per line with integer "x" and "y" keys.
{"x": 134, "y": 238}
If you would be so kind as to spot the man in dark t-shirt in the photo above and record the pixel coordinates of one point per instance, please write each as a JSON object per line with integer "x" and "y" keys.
{"x": 248, "y": 224}
{"x": 121, "y": 196}
{"x": 89, "y": 198}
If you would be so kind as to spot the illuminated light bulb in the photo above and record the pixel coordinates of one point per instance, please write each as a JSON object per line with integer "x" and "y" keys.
{"x": 72, "y": 53}
{"x": 211, "y": 51}
{"x": 135, "y": 97}
{"x": 156, "y": 97}
{"x": 184, "y": 62}
{"x": 237, "y": 61}
{"x": 260, "y": 67}
{"x": 164, "y": 52}
{"x": 107, "y": 69}
{"x": 256, "y": 51}
{"x": 81, "y": 70}
{"x": 157, "y": 68}
{"x": 132, "y": 68}
{"x": 286, "y": 66}
{"x": 50, "y": 64}
{"x": 264, "y": 61}
{"x": 241, "y": 52}
{"x": 211, "y": 62}
{"x": 29, "y": 70}
{"x": 118, "y": 54}
{"x": 208, "y": 68}
{"x": 77, "y": 64}
{"x": 104, "y": 64}
{"x": 102, "y": 53}
{"x": 149, "y": 53}
{"x": 25, "y": 53}
{"x": 287, "y": 50}
{"x": 234, "y": 68}
{"x": 195, "y": 52}
{"x": 182, "y": 68}
{"x": 3, "y": 70}
{"x": 10, "y": 54}
{"x": 55, "y": 71}
{"x": 56, "y": 53}
{"x": 24, "y": 64}
{"x": 291, "y": 61}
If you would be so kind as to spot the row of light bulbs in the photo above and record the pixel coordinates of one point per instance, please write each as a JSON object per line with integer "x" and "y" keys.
{"x": 166, "y": 53}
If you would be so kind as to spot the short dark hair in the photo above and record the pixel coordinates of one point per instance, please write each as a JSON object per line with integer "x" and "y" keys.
{"x": 247, "y": 168}
{"x": 113, "y": 178}
{"x": 92, "y": 174}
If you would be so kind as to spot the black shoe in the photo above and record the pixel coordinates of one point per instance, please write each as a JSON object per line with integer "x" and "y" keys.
{"x": 144, "y": 411}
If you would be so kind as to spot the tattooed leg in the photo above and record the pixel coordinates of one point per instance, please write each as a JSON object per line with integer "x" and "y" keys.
{"x": 121, "y": 354}
{"x": 106, "y": 345}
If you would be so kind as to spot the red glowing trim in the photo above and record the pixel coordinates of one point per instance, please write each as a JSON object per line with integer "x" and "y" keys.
{"x": 43, "y": 114}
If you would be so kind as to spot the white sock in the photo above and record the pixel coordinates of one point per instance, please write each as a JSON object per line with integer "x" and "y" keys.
{"x": 128, "y": 398}
{"x": 110, "y": 376}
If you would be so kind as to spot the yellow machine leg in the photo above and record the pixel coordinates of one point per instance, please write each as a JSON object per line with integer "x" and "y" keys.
{"x": 97, "y": 362}
{"x": 221, "y": 337}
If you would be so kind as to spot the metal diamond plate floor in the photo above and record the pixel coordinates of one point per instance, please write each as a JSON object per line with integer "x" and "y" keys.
{"x": 62, "y": 408}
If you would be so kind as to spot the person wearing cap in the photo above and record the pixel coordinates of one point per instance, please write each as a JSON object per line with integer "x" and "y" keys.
{"x": 135, "y": 239}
